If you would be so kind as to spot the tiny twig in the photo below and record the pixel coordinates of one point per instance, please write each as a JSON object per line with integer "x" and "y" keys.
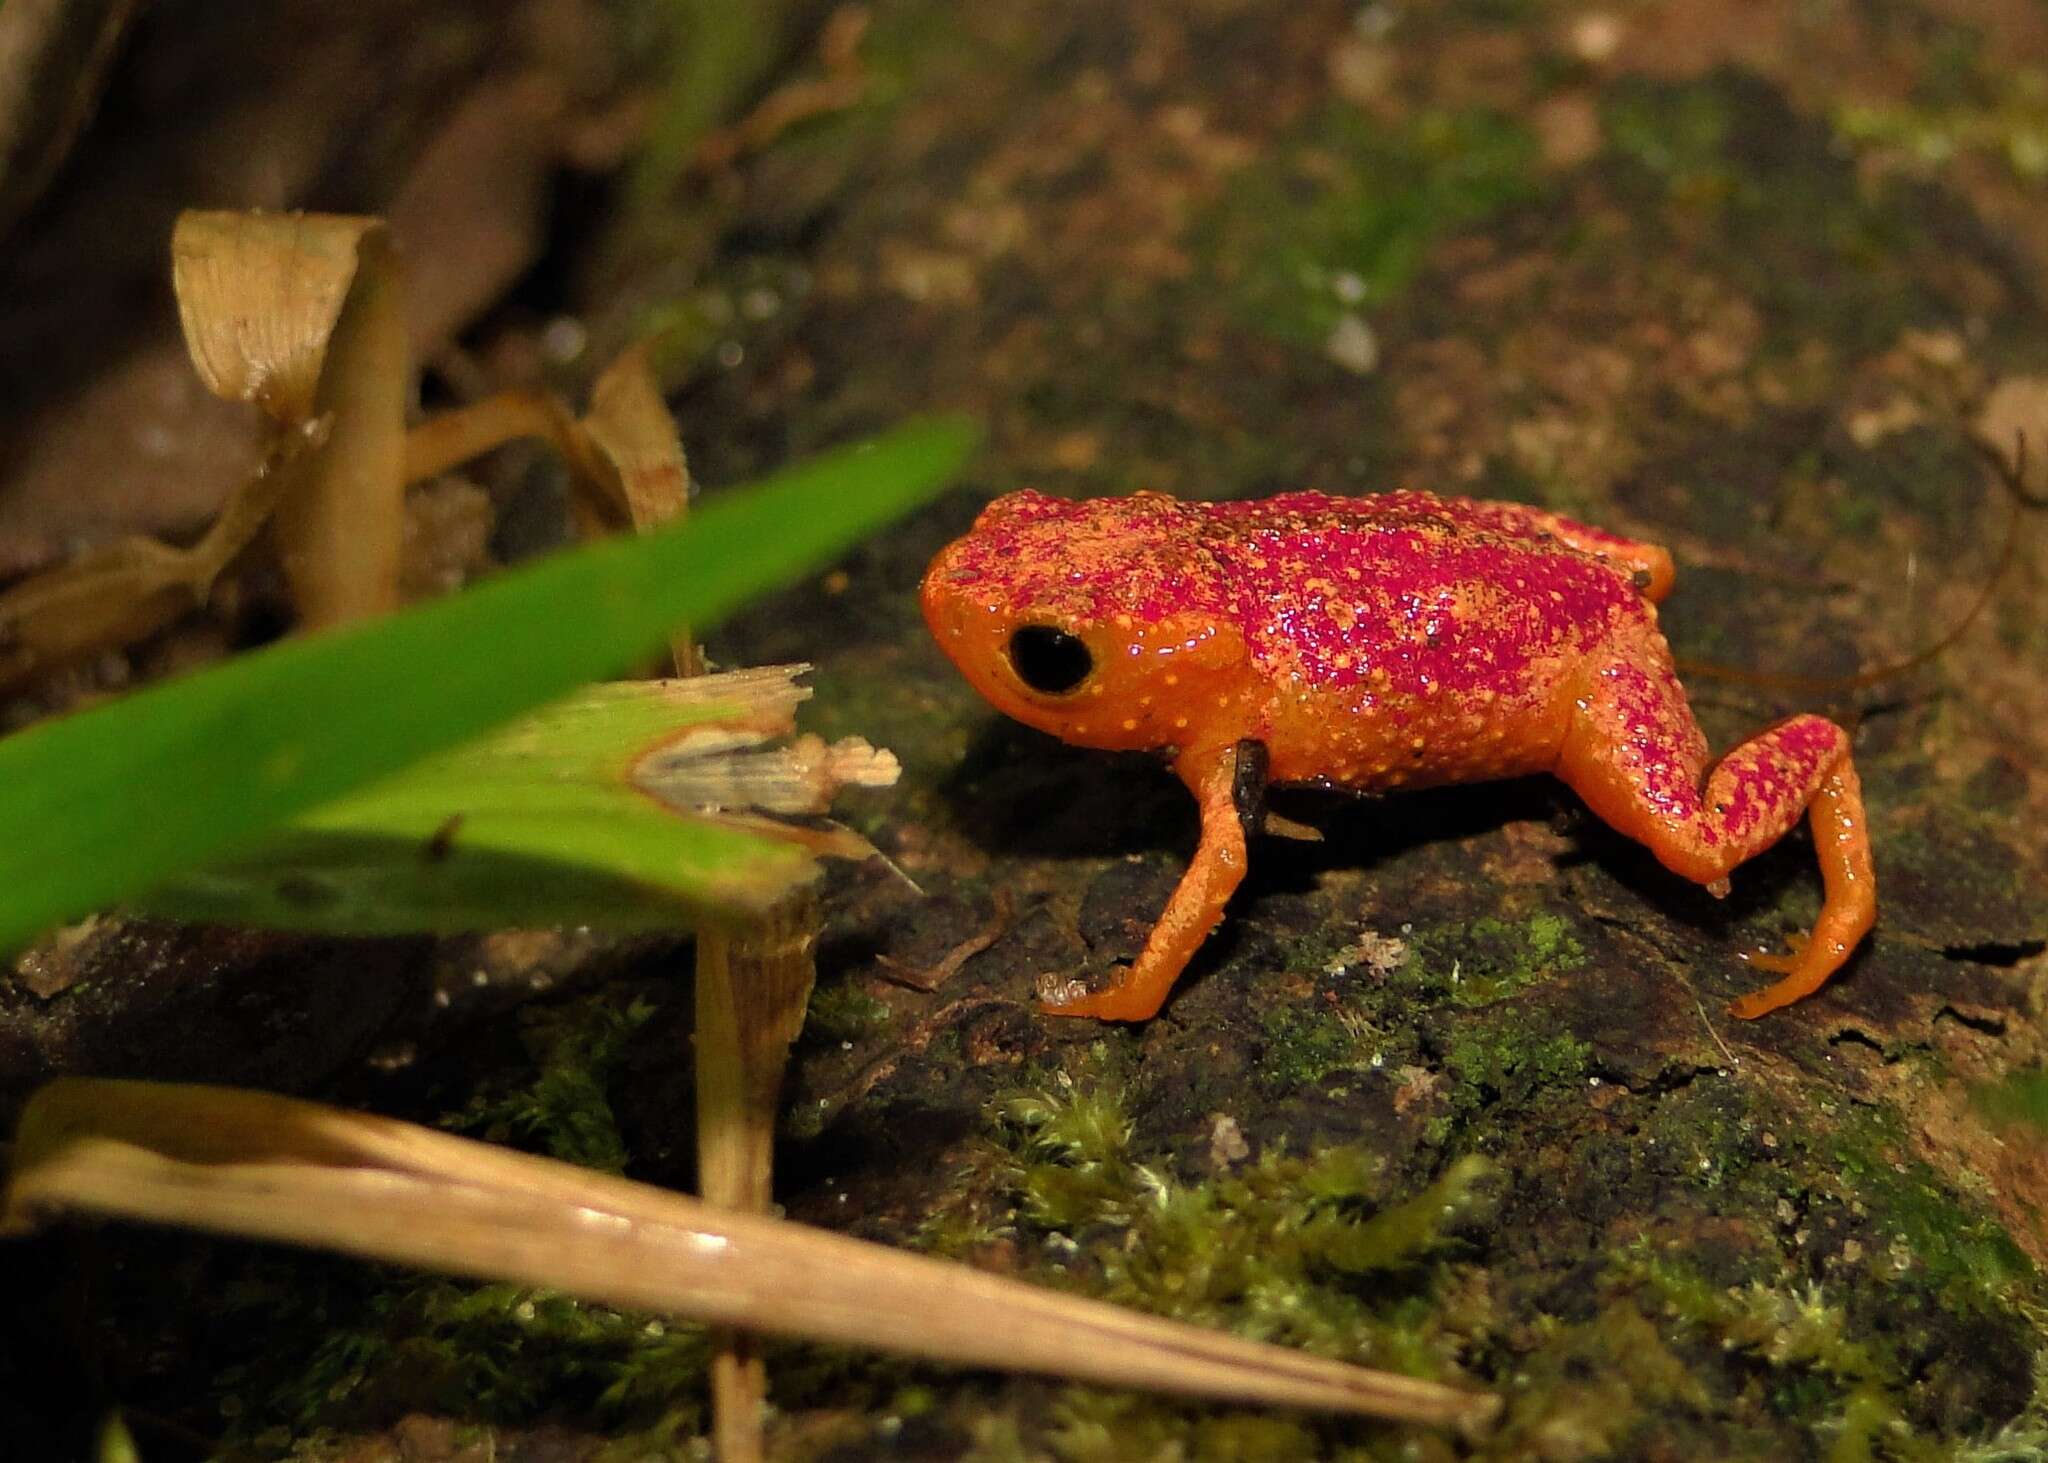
{"x": 843, "y": 85}
{"x": 914, "y": 1041}
{"x": 934, "y": 976}
{"x": 1701, "y": 1007}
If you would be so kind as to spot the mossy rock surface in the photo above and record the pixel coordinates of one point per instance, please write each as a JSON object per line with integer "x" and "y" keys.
{"x": 1453, "y": 1091}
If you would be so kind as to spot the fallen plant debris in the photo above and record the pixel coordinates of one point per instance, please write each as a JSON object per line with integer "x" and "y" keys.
{"x": 249, "y": 1164}
{"x": 303, "y": 317}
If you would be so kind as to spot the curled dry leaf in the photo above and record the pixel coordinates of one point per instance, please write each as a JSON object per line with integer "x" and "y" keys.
{"x": 303, "y": 315}
{"x": 270, "y": 1168}
{"x": 630, "y": 429}
{"x": 260, "y": 295}
{"x": 629, "y": 425}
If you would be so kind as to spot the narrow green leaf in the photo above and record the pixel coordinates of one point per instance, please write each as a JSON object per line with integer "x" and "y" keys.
{"x": 502, "y": 870}
{"x": 538, "y": 823}
{"x": 106, "y": 802}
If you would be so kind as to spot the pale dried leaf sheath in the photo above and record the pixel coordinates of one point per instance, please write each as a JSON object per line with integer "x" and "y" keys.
{"x": 722, "y": 767}
{"x": 630, "y": 426}
{"x": 259, "y": 295}
{"x": 304, "y": 316}
{"x": 251, "y": 1164}
{"x": 727, "y": 767}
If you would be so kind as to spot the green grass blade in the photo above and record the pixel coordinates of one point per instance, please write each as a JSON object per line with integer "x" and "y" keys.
{"x": 104, "y": 803}
{"x": 538, "y": 823}
{"x": 620, "y": 868}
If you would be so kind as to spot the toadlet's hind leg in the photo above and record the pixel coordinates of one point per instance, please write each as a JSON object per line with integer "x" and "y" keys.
{"x": 1636, "y": 756}
{"x": 1223, "y": 783}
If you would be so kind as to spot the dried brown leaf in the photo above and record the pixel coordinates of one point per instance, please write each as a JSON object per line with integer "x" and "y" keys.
{"x": 249, "y": 1164}
{"x": 259, "y": 297}
{"x": 304, "y": 316}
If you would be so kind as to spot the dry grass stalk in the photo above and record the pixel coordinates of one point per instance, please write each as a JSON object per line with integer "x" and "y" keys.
{"x": 753, "y": 985}
{"x": 272, "y": 1168}
{"x": 753, "y": 980}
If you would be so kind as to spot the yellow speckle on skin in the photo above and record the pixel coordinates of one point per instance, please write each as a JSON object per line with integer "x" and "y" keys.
{"x": 1130, "y": 724}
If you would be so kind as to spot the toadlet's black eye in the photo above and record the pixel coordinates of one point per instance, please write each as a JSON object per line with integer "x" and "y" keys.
{"x": 1048, "y": 660}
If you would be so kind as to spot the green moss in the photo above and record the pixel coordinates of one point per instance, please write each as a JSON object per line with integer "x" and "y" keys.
{"x": 842, "y": 1011}
{"x": 1304, "y": 1045}
{"x": 2019, "y": 1097}
{"x": 1851, "y": 1391}
{"x": 1586, "y": 1390}
{"x": 1323, "y": 1253}
{"x": 1501, "y": 1066}
{"x": 1256, "y": 1251}
{"x": 1786, "y": 1326}
{"x": 1479, "y": 962}
{"x": 1798, "y": 1367}
{"x": 1343, "y": 218}
{"x": 1936, "y": 1237}
{"x": 1998, "y": 112}
{"x": 1103, "y": 1427}
{"x": 1758, "y": 193}
{"x": 496, "y": 1353}
{"x": 563, "y": 1109}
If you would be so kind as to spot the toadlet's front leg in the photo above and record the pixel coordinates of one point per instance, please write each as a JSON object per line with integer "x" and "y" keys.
{"x": 1230, "y": 785}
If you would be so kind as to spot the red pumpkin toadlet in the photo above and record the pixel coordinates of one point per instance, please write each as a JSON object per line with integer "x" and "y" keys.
{"x": 1374, "y": 643}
